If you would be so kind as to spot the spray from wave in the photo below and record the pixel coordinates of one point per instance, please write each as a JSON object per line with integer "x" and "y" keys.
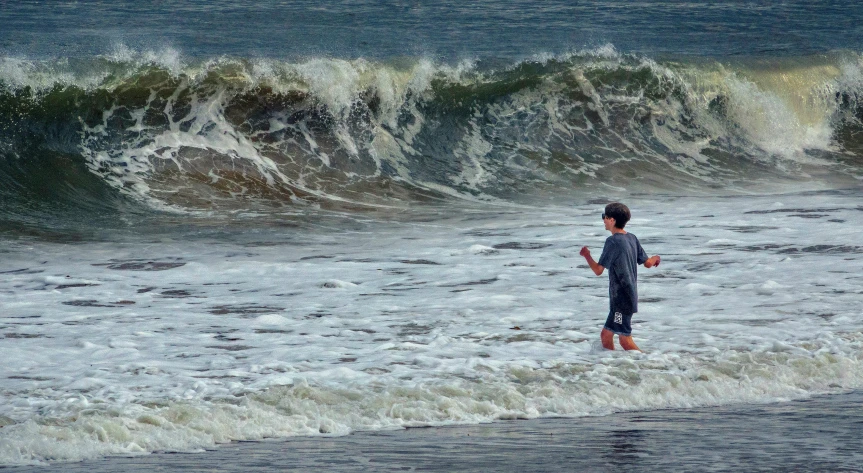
{"x": 232, "y": 132}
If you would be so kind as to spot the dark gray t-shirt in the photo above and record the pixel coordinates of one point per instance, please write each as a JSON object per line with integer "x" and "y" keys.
{"x": 621, "y": 256}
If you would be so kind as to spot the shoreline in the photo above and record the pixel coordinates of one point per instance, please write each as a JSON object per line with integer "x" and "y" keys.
{"x": 816, "y": 434}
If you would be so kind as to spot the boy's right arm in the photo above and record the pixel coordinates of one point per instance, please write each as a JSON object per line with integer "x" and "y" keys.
{"x": 597, "y": 269}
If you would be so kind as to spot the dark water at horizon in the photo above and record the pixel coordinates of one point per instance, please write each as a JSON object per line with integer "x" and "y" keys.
{"x": 449, "y": 30}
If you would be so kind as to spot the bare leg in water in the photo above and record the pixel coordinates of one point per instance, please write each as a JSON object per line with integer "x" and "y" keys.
{"x": 607, "y": 337}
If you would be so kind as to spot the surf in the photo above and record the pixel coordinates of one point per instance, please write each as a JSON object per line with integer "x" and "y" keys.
{"x": 229, "y": 133}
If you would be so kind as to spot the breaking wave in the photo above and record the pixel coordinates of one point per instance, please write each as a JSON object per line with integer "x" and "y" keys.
{"x": 229, "y": 133}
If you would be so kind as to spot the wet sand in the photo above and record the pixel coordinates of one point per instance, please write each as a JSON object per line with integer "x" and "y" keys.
{"x": 819, "y": 434}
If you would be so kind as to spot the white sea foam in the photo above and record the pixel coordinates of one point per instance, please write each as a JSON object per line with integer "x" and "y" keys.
{"x": 472, "y": 316}
{"x": 781, "y": 121}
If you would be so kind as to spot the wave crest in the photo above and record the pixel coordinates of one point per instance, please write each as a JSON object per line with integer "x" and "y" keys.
{"x": 228, "y": 131}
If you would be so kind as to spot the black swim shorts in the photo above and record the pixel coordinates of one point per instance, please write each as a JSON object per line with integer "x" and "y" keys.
{"x": 619, "y": 323}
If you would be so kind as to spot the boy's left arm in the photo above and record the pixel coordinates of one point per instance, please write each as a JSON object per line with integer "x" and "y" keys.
{"x": 643, "y": 259}
{"x": 652, "y": 261}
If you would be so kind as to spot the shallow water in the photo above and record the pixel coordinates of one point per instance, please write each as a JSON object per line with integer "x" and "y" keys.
{"x": 178, "y": 340}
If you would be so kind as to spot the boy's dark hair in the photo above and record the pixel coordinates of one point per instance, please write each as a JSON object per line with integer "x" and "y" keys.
{"x": 619, "y": 212}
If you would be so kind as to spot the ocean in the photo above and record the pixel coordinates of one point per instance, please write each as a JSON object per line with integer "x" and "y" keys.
{"x": 222, "y": 222}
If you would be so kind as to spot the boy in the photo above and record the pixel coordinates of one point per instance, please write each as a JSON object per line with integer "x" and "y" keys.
{"x": 621, "y": 254}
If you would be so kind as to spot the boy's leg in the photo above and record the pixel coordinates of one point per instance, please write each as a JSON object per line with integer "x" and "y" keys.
{"x": 627, "y": 343}
{"x": 607, "y": 337}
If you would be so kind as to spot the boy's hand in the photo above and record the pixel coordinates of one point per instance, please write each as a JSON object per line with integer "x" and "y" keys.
{"x": 584, "y": 252}
{"x": 652, "y": 261}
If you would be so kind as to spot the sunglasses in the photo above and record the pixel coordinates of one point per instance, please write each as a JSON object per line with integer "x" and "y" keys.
{"x": 604, "y": 216}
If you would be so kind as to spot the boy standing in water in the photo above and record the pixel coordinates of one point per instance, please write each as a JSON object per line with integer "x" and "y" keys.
{"x": 621, "y": 254}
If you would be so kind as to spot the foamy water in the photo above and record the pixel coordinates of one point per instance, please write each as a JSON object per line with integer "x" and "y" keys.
{"x": 180, "y": 339}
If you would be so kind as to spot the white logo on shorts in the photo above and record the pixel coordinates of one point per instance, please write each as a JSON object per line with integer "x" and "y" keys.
{"x": 618, "y": 318}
